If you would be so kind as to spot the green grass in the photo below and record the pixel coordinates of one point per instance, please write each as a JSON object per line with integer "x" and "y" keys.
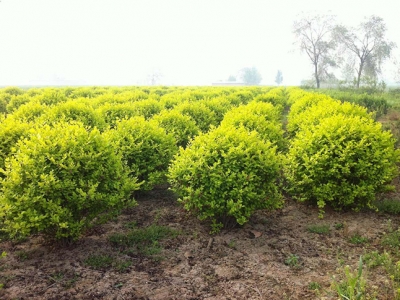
{"x": 99, "y": 261}
{"x": 56, "y": 277}
{"x": 5, "y": 279}
{"x": 339, "y": 226}
{"x": 3, "y": 235}
{"x": 319, "y": 229}
{"x": 391, "y": 206}
{"x": 358, "y": 239}
{"x": 391, "y": 264}
{"x": 292, "y": 261}
{"x": 71, "y": 281}
{"x": 375, "y": 259}
{"x": 232, "y": 244}
{"x": 391, "y": 239}
{"x": 131, "y": 225}
{"x": 22, "y": 255}
{"x": 104, "y": 262}
{"x": 143, "y": 241}
{"x": 314, "y": 286}
{"x": 122, "y": 266}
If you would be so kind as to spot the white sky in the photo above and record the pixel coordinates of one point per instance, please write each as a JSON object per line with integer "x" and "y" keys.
{"x": 190, "y": 42}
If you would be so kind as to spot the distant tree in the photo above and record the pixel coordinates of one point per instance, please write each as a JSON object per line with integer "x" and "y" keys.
{"x": 232, "y": 78}
{"x": 251, "y": 76}
{"x": 366, "y": 45}
{"x": 279, "y": 77}
{"x": 348, "y": 73}
{"x": 313, "y": 36}
{"x": 154, "y": 77}
{"x": 397, "y": 70}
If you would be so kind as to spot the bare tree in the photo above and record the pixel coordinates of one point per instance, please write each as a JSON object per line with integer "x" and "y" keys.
{"x": 366, "y": 45}
{"x": 313, "y": 36}
{"x": 154, "y": 77}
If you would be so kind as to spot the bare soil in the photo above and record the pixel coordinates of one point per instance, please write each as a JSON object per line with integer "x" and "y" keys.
{"x": 249, "y": 262}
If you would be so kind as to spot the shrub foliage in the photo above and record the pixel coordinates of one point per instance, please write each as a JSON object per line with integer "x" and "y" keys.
{"x": 146, "y": 149}
{"x": 183, "y": 128}
{"x": 60, "y": 181}
{"x": 226, "y": 173}
{"x": 343, "y": 161}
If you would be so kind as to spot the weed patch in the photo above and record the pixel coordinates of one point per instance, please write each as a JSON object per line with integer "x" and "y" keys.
{"x": 390, "y": 206}
{"x": 339, "y": 226}
{"x": 353, "y": 284}
{"x": 392, "y": 239}
{"x": 314, "y": 286}
{"x": 358, "y": 239}
{"x": 99, "y": 261}
{"x": 293, "y": 261}
{"x": 144, "y": 241}
{"x": 319, "y": 229}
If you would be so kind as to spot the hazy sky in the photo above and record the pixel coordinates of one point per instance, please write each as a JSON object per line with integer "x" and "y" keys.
{"x": 190, "y": 42}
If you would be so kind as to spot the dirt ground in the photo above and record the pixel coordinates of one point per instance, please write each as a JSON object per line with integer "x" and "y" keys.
{"x": 251, "y": 262}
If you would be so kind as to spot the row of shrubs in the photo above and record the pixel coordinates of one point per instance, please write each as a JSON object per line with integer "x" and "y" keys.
{"x": 182, "y": 118}
{"x": 334, "y": 154}
{"x": 64, "y": 167}
{"x": 64, "y": 177}
{"x": 67, "y": 166}
{"x": 377, "y": 103}
{"x": 12, "y": 98}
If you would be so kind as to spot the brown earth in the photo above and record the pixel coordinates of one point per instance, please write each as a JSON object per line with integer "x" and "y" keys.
{"x": 241, "y": 263}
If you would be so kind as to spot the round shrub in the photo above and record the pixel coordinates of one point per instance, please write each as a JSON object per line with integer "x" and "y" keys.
{"x": 220, "y": 106}
{"x": 181, "y": 127}
{"x": 240, "y": 97}
{"x": 260, "y": 117}
{"x": 159, "y": 91}
{"x": 13, "y": 90}
{"x": 323, "y": 109}
{"x": 29, "y": 112}
{"x": 33, "y": 92}
{"x": 305, "y": 102}
{"x": 266, "y": 111}
{"x": 84, "y": 92}
{"x": 4, "y": 100}
{"x": 51, "y": 96}
{"x": 114, "y": 112}
{"x": 75, "y": 111}
{"x": 147, "y": 108}
{"x": 17, "y": 101}
{"x": 226, "y": 173}
{"x": 275, "y": 96}
{"x": 294, "y": 94}
{"x": 11, "y": 131}
{"x": 61, "y": 180}
{"x": 172, "y": 99}
{"x": 114, "y": 97}
{"x": 343, "y": 161}
{"x": 146, "y": 149}
{"x": 199, "y": 112}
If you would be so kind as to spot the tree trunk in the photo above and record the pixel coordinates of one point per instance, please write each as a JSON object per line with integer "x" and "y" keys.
{"x": 359, "y": 74}
{"x": 316, "y": 75}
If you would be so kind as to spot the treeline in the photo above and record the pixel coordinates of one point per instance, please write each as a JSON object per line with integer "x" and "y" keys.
{"x": 359, "y": 52}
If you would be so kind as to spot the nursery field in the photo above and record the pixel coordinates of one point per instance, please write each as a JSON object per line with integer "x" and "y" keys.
{"x": 198, "y": 193}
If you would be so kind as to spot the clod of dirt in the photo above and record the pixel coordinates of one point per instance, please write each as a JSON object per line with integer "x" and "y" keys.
{"x": 255, "y": 234}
